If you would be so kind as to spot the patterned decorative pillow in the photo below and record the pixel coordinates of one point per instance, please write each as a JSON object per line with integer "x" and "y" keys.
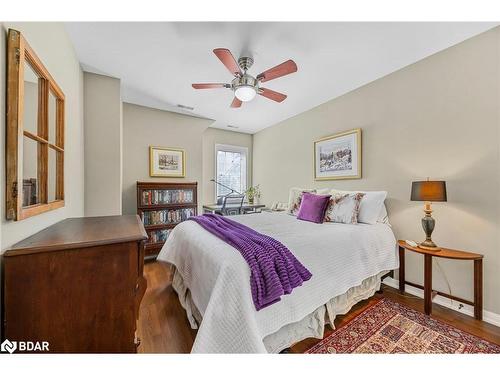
{"x": 371, "y": 208}
{"x": 295, "y": 198}
{"x": 344, "y": 208}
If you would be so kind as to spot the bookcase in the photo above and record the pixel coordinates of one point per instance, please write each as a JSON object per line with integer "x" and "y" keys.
{"x": 161, "y": 206}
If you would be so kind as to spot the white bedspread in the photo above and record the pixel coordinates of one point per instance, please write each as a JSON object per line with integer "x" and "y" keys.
{"x": 339, "y": 256}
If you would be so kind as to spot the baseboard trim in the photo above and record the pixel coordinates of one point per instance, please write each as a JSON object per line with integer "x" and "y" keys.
{"x": 488, "y": 316}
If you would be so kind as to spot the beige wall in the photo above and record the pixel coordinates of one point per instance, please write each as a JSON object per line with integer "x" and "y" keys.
{"x": 103, "y": 145}
{"x": 211, "y": 137}
{"x": 52, "y": 45}
{"x": 144, "y": 127}
{"x": 438, "y": 117}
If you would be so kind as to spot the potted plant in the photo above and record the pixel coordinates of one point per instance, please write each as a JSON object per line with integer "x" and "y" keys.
{"x": 253, "y": 192}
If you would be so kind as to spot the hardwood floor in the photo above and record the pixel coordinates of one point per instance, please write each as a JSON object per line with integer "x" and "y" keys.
{"x": 164, "y": 328}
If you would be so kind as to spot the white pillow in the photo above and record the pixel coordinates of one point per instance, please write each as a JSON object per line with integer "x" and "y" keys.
{"x": 295, "y": 198}
{"x": 371, "y": 206}
{"x": 384, "y": 217}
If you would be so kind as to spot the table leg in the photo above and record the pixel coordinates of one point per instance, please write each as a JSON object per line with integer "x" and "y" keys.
{"x": 478, "y": 289}
{"x": 401, "y": 269}
{"x": 427, "y": 284}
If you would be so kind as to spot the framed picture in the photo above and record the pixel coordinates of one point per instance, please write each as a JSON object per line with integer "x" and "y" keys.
{"x": 167, "y": 162}
{"x": 338, "y": 156}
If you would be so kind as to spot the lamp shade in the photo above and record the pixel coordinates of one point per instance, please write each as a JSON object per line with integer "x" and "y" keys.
{"x": 430, "y": 191}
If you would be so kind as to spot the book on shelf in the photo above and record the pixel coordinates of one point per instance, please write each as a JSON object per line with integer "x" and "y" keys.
{"x": 167, "y": 216}
{"x": 167, "y": 196}
{"x": 157, "y": 236}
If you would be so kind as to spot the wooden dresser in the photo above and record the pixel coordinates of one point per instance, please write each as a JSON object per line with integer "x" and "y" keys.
{"x": 77, "y": 285}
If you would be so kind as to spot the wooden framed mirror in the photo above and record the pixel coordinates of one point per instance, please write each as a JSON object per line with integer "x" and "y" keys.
{"x": 35, "y": 134}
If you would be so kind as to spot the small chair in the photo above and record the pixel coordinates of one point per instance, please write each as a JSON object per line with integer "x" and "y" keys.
{"x": 232, "y": 205}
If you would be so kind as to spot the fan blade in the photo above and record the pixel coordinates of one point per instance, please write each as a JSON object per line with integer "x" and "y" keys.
{"x": 273, "y": 95}
{"x": 228, "y": 60}
{"x": 236, "y": 103}
{"x": 208, "y": 85}
{"x": 278, "y": 71}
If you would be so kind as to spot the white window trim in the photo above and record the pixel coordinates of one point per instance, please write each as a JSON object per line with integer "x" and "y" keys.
{"x": 230, "y": 148}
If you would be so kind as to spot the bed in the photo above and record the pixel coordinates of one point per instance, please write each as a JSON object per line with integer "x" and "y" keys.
{"x": 212, "y": 280}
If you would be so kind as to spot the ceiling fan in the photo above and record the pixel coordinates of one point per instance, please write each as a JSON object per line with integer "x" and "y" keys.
{"x": 245, "y": 86}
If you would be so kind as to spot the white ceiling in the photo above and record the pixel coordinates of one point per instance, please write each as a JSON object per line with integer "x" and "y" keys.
{"x": 157, "y": 62}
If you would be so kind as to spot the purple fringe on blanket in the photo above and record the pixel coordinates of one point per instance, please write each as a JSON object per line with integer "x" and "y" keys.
{"x": 274, "y": 269}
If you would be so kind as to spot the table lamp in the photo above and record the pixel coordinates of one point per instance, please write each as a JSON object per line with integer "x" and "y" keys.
{"x": 428, "y": 191}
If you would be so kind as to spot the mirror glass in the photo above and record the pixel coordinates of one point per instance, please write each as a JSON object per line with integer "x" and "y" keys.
{"x": 51, "y": 192}
{"x": 30, "y": 106}
{"x": 30, "y": 195}
{"x": 52, "y": 118}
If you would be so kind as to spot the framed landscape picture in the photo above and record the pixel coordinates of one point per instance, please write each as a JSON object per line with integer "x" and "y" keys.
{"x": 166, "y": 162}
{"x": 338, "y": 156}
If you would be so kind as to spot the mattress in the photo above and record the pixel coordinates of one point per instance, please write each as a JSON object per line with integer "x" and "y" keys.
{"x": 340, "y": 257}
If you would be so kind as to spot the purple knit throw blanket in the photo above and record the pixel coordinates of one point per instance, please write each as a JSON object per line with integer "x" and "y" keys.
{"x": 274, "y": 270}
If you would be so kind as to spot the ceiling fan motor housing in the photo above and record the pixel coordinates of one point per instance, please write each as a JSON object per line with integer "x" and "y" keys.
{"x": 245, "y": 63}
{"x": 245, "y": 80}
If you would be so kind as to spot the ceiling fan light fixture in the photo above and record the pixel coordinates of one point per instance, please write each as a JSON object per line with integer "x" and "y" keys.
{"x": 245, "y": 93}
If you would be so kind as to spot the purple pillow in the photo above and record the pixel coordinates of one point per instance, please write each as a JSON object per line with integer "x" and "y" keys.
{"x": 313, "y": 207}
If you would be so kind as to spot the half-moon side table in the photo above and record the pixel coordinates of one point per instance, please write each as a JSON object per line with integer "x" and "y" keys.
{"x": 427, "y": 287}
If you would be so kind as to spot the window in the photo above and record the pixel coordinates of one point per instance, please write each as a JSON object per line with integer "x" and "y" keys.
{"x": 35, "y": 134}
{"x": 231, "y": 169}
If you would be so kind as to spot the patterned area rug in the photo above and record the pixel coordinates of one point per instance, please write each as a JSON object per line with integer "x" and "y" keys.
{"x": 388, "y": 327}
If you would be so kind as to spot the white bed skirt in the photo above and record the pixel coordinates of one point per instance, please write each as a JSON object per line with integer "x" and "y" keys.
{"x": 311, "y": 326}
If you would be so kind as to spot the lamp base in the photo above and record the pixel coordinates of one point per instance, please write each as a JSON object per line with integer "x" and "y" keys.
{"x": 428, "y": 224}
{"x": 436, "y": 248}
{"x": 428, "y": 244}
